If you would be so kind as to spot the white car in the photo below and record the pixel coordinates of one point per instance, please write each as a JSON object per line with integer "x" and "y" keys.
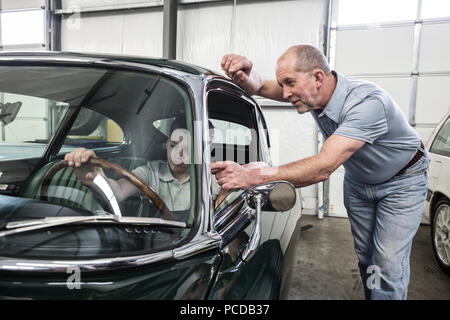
{"x": 437, "y": 206}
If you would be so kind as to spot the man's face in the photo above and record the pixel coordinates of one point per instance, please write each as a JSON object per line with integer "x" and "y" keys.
{"x": 298, "y": 87}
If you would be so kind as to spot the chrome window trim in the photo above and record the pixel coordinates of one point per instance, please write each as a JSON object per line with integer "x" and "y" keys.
{"x": 200, "y": 244}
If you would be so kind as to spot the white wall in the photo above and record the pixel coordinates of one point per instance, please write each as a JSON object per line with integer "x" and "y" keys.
{"x": 261, "y": 30}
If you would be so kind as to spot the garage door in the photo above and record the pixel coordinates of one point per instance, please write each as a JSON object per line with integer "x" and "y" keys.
{"x": 401, "y": 46}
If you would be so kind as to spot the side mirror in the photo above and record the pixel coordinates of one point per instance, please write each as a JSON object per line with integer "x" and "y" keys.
{"x": 232, "y": 215}
{"x": 9, "y": 112}
{"x": 274, "y": 196}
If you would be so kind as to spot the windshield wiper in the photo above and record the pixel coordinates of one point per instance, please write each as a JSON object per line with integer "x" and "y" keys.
{"x": 35, "y": 224}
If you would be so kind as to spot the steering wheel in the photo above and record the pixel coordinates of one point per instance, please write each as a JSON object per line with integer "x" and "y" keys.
{"x": 120, "y": 171}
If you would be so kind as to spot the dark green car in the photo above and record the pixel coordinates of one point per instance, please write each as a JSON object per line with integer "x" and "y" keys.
{"x": 178, "y": 235}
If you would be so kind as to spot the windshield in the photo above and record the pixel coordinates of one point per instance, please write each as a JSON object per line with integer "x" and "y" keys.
{"x": 140, "y": 122}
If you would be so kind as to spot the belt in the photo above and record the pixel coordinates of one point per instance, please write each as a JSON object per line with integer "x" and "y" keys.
{"x": 414, "y": 159}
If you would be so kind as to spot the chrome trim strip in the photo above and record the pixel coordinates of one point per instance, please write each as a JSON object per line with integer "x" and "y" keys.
{"x": 96, "y": 62}
{"x": 239, "y": 222}
{"x": 35, "y": 265}
{"x": 255, "y": 238}
{"x": 203, "y": 243}
{"x": 226, "y": 213}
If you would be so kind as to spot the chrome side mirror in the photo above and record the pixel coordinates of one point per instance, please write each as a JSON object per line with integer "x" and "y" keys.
{"x": 274, "y": 196}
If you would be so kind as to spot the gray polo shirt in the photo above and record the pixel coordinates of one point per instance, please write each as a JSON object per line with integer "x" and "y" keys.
{"x": 176, "y": 195}
{"x": 361, "y": 110}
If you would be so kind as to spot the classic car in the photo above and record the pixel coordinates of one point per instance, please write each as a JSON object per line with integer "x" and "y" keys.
{"x": 437, "y": 206}
{"x": 62, "y": 238}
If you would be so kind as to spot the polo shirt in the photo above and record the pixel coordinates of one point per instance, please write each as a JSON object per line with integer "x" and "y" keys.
{"x": 176, "y": 195}
{"x": 361, "y": 110}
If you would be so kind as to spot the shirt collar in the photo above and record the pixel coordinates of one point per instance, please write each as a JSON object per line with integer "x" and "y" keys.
{"x": 334, "y": 106}
{"x": 166, "y": 175}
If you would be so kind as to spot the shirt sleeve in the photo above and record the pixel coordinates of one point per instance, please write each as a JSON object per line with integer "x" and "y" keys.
{"x": 365, "y": 121}
{"x": 146, "y": 173}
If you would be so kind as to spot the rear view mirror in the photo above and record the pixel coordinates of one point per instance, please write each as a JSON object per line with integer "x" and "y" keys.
{"x": 9, "y": 111}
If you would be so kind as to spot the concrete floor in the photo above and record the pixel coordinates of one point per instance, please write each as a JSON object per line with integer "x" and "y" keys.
{"x": 326, "y": 265}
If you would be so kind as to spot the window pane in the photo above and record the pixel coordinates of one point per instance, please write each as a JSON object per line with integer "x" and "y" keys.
{"x": 441, "y": 144}
{"x": 371, "y": 11}
{"x": 231, "y": 133}
{"x": 92, "y": 130}
{"x": 113, "y": 104}
{"x": 22, "y": 27}
{"x": 26, "y": 125}
{"x": 435, "y": 9}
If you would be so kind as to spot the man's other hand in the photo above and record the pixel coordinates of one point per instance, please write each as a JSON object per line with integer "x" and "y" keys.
{"x": 231, "y": 175}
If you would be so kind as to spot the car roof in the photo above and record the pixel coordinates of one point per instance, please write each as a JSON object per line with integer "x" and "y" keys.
{"x": 158, "y": 62}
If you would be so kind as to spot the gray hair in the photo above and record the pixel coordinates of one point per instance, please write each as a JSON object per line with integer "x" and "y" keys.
{"x": 308, "y": 58}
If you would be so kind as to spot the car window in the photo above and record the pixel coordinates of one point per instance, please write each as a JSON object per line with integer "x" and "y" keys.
{"x": 92, "y": 130}
{"x": 111, "y": 112}
{"x": 441, "y": 143}
{"x": 231, "y": 133}
{"x": 26, "y": 124}
{"x": 235, "y": 128}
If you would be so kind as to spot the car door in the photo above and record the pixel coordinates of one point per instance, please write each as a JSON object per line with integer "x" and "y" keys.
{"x": 241, "y": 135}
{"x": 438, "y": 147}
{"x": 439, "y": 150}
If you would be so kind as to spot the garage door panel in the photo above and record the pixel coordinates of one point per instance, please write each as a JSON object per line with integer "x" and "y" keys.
{"x": 22, "y": 4}
{"x": 433, "y": 98}
{"x": 435, "y": 48}
{"x": 92, "y": 33}
{"x": 263, "y": 31}
{"x": 99, "y": 4}
{"x": 147, "y": 42}
{"x": 203, "y": 34}
{"x": 275, "y": 26}
{"x": 375, "y": 51}
{"x": 397, "y": 87}
{"x": 115, "y": 33}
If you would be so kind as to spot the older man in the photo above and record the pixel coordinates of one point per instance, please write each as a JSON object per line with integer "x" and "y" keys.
{"x": 386, "y": 166}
